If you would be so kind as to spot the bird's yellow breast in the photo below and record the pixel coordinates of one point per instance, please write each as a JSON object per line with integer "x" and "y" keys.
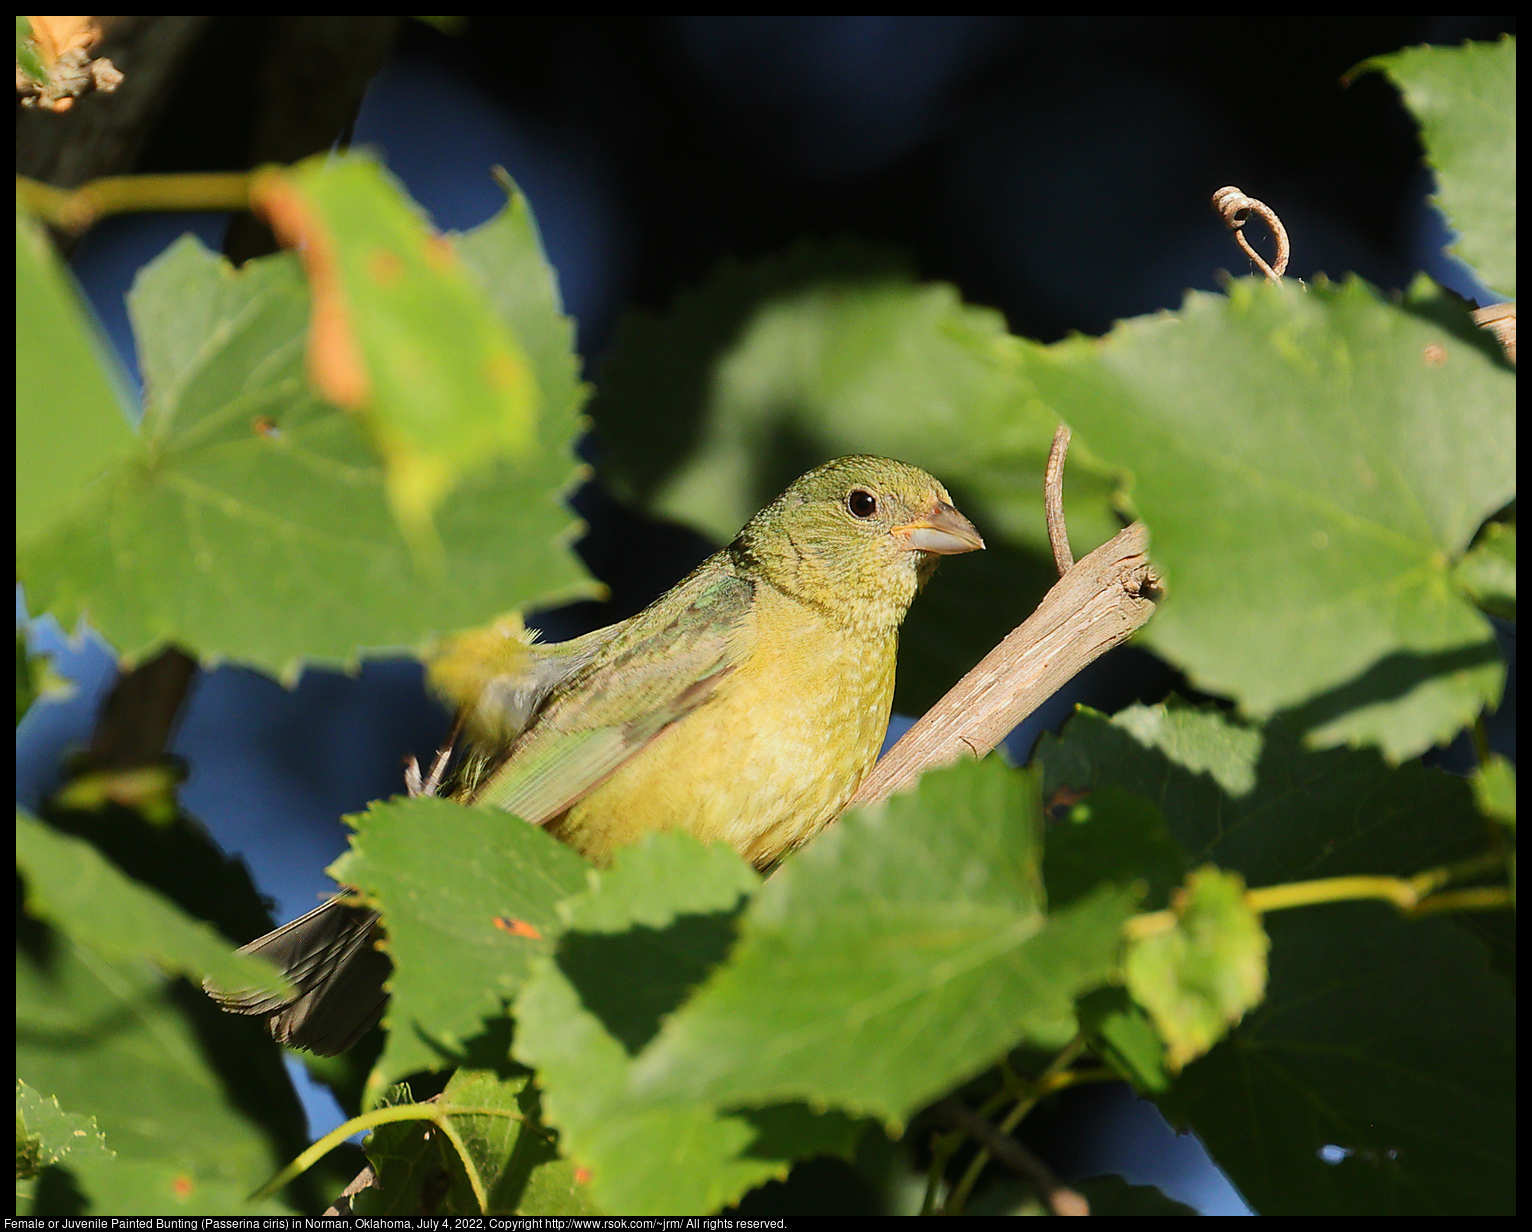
{"x": 771, "y": 758}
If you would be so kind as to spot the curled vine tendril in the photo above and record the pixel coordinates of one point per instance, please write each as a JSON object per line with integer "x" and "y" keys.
{"x": 1235, "y": 208}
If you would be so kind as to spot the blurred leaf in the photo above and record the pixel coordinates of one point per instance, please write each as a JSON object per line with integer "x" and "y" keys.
{"x": 72, "y": 886}
{"x": 468, "y": 898}
{"x": 1488, "y": 571}
{"x": 770, "y": 368}
{"x": 251, "y": 523}
{"x": 1494, "y": 788}
{"x": 1126, "y": 1037}
{"x": 1309, "y": 464}
{"x": 505, "y": 256}
{"x": 148, "y": 790}
{"x": 194, "y": 1102}
{"x": 1198, "y": 978}
{"x": 70, "y": 425}
{"x": 402, "y": 333}
{"x": 1465, "y": 101}
{"x": 36, "y": 678}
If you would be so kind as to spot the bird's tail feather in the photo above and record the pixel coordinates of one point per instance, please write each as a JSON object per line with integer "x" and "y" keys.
{"x": 331, "y": 957}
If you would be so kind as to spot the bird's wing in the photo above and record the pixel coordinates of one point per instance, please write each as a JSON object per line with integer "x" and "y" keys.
{"x": 654, "y": 670}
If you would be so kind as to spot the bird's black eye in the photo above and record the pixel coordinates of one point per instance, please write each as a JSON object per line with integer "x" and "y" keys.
{"x": 861, "y": 503}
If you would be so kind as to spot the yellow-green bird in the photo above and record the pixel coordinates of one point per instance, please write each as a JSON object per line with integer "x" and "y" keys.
{"x": 745, "y": 705}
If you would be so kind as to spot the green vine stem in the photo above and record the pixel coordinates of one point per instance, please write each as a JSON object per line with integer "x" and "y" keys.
{"x": 943, "y": 1147}
{"x": 1412, "y": 895}
{"x": 75, "y": 210}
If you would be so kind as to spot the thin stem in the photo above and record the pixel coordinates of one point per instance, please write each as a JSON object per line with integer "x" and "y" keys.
{"x": 1081, "y": 1077}
{"x": 1413, "y": 895}
{"x": 439, "y": 1115}
{"x": 943, "y": 1147}
{"x": 1058, "y": 1197}
{"x": 475, "y": 1181}
{"x": 1478, "y": 898}
{"x": 1032, "y": 1091}
{"x": 78, "y": 209}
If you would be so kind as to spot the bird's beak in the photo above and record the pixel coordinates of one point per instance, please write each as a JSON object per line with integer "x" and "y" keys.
{"x": 941, "y": 529}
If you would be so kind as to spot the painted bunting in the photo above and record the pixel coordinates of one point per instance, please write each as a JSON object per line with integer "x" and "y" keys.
{"x": 745, "y": 705}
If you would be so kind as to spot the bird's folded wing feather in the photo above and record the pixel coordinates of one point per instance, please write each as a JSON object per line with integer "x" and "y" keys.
{"x": 655, "y": 670}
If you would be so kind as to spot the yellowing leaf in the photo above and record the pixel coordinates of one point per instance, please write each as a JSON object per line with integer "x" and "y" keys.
{"x": 1199, "y": 977}
{"x": 402, "y": 334}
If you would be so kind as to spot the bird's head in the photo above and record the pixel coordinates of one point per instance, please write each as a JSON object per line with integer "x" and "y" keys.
{"x": 857, "y": 538}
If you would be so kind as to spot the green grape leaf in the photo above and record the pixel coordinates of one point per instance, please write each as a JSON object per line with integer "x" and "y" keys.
{"x": 251, "y": 521}
{"x": 1310, "y": 464}
{"x": 1488, "y": 571}
{"x": 634, "y": 946}
{"x": 1378, "y": 1077}
{"x": 468, "y": 897}
{"x": 901, "y": 953}
{"x": 1378, "y": 1037}
{"x": 1110, "y": 835}
{"x": 194, "y": 1102}
{"x": 46, "y": 1134}
{"x": 72, "y": 885}
{"x": 1198, "y": 977}
{"x": 1465, "y": 101}
{"x": 402, "y": 333}
{"x": 1342, "y": 812}
{"x": 70, "y": 424}
{"x": 497, "y": 1121}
